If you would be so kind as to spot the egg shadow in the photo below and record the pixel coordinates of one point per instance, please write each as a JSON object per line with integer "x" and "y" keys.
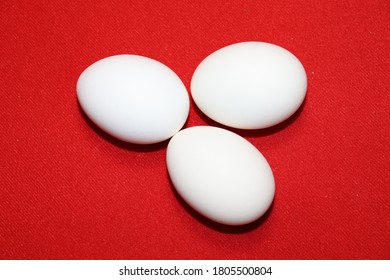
{"x": 253, "y": 132}
{"x": 141, "y": 148}
{"x": 227, "y": 229}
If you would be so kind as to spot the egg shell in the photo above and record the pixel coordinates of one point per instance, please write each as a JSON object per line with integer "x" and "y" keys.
{"x": 249, "y": 85}
{"x": 220, "y": 174}
{"x": 134, "y": 98}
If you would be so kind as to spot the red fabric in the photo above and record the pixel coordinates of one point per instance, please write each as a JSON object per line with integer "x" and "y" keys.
{"x": 69, "y": 191}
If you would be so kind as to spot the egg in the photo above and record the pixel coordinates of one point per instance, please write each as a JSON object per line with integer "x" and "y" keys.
{"x": 220, "y": 174}
{"x": 249, "y": 85}
{"x": 133, "y": 98}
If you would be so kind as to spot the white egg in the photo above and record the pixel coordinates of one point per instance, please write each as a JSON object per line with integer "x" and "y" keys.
{"x": 249, "y": 85}
{"x": 220, "y": 174}
{"x": 134, "y": 98}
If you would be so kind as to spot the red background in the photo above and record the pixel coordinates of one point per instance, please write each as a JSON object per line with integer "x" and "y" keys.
{"x": 69, "y": 191}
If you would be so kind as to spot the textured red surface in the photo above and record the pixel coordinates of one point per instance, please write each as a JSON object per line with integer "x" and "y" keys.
{"x": 69, "y": 191}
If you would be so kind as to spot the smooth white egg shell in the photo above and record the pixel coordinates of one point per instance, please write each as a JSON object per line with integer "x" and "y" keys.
{"x": 249, "y": 85}
{"x": 134, "y": 98}
{"x": 220, "y": 174}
